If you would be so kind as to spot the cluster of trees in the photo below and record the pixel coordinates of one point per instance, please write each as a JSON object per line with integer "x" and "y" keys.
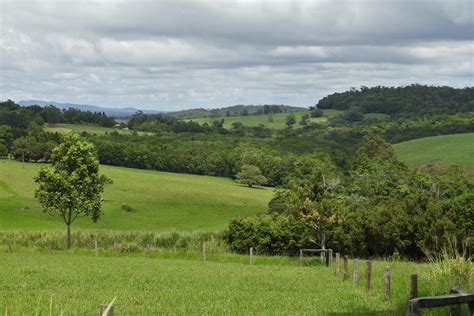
{"x": 19, "y": 117}
{"x": 409, "y": 101}
{"x": 235, "y": 110}
{"x": 376, "y": 208}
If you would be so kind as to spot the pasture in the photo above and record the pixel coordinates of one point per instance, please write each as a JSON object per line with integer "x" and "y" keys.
{"x": 160, "y": 201}
{"x": 91, "y": 129}
{"x": 76, "y": 282}
{"x": 439, "y": 151}
{"x": 275, "y": 121}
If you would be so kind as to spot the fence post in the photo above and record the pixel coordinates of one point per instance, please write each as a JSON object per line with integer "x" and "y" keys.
{"x": 414, "y": 286}
{"x": 204, "y": 251}
{"x": 337, "y": 263}
{"x": 96, "y": 248}
{"x": 251, "y": 256}
{"x": 368, "y": 275}
{"x": 301, "y": 258}
{"x": 102, "y": 309}
{"x": 387, "y": 282}
{"x": 346, "y": 267}
{"x": 355, "y": 272}
{"x": 50, "y": 251}
{"x": 330, "y": 257}
{"x": 326, "y": 254}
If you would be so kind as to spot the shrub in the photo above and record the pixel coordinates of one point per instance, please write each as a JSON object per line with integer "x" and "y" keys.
{"x": 126, "y": 207}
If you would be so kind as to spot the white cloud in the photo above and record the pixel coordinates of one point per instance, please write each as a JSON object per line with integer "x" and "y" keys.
{"x": 176, "y": 54}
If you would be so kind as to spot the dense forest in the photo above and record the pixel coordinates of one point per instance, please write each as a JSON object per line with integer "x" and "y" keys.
{"x": 339, "y": 182}
{"x": 409, "y": 101}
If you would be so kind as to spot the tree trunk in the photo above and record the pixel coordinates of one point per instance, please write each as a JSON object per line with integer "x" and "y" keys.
{"x": 68, "y": 236}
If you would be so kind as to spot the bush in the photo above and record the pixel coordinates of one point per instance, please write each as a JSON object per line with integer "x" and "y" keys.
{"x": 271, "y": 235}
{"x": 317, "y": 113}
{"x": 126, "y": 207}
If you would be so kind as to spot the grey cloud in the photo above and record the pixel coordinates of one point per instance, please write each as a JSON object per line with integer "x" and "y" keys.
{"x": 178, "y": 54}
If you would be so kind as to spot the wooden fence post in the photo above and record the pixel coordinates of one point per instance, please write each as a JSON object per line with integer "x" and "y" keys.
{"x": 326, "y": 254}
{"x": 10, "y": 246}
{"x": 50, "y": 251}
{"x": 102, "y": 309}
{"x": 251, "y": 256}
{"x": 368, "y": 275}
{"x": 387, "y": 282}
{"x": 301, "y": 258}
{"x": 346, "y": 267}
{"x": 355, "y": 275}
{"x": 204, "y": 251}
{"x": 337, "y": 263}
{"x": 330, "y": 257}
{"x": 414, "y": 286}
{"x": 96, "y": 248}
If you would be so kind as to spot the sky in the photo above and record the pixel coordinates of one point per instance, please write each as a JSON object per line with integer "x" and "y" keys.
{"x": 171, "y": 55}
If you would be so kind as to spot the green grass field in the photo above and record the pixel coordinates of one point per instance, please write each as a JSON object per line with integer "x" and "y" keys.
{"x": 161, "y": 201}
{"x": 75, "y": 283}
{"x": 439, "y": 151}
{"x": 91, "y": 129}
{"x": 279, "y": 120}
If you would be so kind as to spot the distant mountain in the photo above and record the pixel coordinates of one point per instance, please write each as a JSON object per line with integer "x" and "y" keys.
{"x": 113, "y": 112}
{"x": 235, "y": 110}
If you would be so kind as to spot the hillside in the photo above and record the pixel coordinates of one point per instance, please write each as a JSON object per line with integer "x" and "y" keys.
{"x": 113, "y": 112}
{"x": 404, "y": 101}
{"x": 275, "y": 121}
{"x": 160, "y": 201}
{"x": 235, "y": 110}
{"x": 439, "y": 150}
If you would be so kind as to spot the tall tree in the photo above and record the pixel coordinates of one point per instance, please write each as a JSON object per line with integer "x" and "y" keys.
{"x": 72, "y": 186}
{"x": 250, "y": 176}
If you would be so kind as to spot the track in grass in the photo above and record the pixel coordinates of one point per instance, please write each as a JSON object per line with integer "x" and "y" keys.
{"x": 160, "y": 201}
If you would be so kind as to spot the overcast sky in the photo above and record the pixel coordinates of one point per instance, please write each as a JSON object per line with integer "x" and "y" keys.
{"x": 168, "y": 55}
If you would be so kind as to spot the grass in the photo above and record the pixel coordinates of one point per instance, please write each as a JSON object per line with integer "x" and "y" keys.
{"x": 279, "y": 120}
{"x": 91, "y": 129}
{"x": 160, "y": 201}
{"x": 180, "y": 283}
{"x": 439, "y": 151}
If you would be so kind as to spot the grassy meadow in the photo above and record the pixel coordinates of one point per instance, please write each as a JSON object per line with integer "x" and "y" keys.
{"x": 279, "y": 120}
{"x": 75, "y": 283}
{"x": 91, "y": 129}
{"x": 161, "y": 201}
{"x": 439, "y": 151}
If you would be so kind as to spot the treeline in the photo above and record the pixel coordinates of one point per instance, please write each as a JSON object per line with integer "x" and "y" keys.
{"x": 19, "y": 117}
{"x": 377, "y": 207}
{"x": 409, "y": 101}
{"x": 235, "y": 110}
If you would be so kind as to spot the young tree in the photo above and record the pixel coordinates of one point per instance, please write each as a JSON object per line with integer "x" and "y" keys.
{"x": 290, "y": 120}
{"x": 250, "y": 176}
{"x": 72, "y": 185}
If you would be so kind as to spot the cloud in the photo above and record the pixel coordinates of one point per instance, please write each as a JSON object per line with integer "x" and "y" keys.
{"x": 177, "y": 54}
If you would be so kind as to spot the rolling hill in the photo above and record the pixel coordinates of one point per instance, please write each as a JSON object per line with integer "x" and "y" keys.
{"x": 161, "y": 201}
{"x": 439, "y": 151}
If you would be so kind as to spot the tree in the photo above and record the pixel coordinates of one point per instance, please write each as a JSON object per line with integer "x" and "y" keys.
{"x": 52, "y": 115}
{"x": 290, "y": 120}
{"x": 315, "y": 112}
{"x": 251, "y": 175}
{"x": 304, "y": 119}
{"x": 72, "y": 185}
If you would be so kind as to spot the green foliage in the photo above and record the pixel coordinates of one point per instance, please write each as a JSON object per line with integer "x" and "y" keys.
{"x": 290, "y": 120}
{"x": 125, "y": 207}
{"x": 267, "y": 234}
{"x": 250, "y": 176}
{"x": 72, "y": 186}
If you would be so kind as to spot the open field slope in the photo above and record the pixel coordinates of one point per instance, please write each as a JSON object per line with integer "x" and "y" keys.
{"x": 91, "y": 129}
{"x": 440, "y": 151}
{"x": 75, "y": 283}
{"x": 279, "y": 120}
{"x": 161, "y": 201}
